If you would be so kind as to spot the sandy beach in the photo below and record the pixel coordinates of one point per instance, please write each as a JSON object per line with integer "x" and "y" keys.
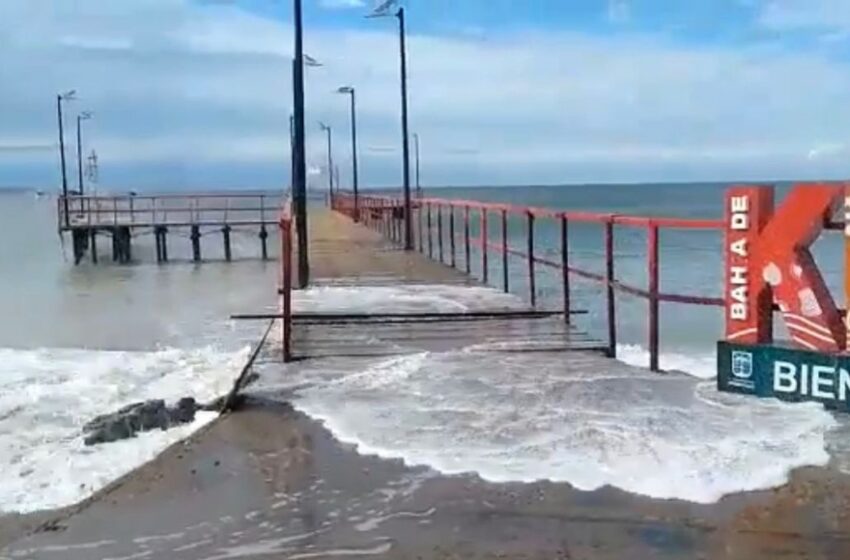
{"x": 268, "y": 482}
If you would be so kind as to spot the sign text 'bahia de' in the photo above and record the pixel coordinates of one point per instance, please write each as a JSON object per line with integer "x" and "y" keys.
{"x": 769, "y": 267}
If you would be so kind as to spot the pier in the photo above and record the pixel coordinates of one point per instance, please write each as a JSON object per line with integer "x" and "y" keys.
{"x": 121, "y": 218}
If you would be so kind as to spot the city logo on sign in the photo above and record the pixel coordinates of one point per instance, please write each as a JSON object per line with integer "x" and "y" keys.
{"x": 742, "y": 370}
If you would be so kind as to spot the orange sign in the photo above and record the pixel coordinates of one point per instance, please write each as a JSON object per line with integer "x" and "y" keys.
{"x": 768, "y": 262}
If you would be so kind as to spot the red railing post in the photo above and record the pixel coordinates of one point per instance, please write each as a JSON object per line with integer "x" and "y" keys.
{"x": 452, "y": 235}
{"x": 440, "y": 231}
{"x": 652, "y": 251}
{"x": 286, "y": 288}
{"x": 419, "y": 221}
{"x": 485, "y": 272}
{"x": 505, "y": 283}
{"x": 467, "y": 253}
{"x": 609, "y": 291}
{"x": 532, "y": 291}
{"x": 565, "y": 267}
{"x": 430, "y": 240}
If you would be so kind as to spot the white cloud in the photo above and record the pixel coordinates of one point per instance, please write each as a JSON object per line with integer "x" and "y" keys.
{"x": 177, "y": 84}
{"x": 342, "y": 4}
{"x": 619, "y": 11}
{"x": 817, "y": 15}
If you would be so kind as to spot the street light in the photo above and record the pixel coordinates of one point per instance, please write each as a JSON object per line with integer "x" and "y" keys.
{"x": 84, "y": 116}
{"x": 349, "y": 90}
{"x": 299, "y": 185}
{"x": 329, "y": 130}
{"x": 385, "y": 10}
{"x": 67, "y": 96}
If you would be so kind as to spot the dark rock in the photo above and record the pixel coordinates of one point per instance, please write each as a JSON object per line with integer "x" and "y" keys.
{"x": 139, "y": 417}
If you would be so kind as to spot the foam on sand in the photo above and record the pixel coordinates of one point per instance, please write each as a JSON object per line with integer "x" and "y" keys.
{"x": 514, "y": 417}
{"x": 47, "y": 395}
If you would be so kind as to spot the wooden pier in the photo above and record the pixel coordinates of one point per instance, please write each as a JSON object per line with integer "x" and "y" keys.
{"x": 345, "y": 253}
{"x": 121, "y": 218}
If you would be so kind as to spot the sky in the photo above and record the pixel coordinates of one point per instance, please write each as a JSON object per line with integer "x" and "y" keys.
{"x": 196, "y": 94}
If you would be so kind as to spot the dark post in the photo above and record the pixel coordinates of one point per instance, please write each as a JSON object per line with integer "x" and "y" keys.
{"x": 652, "y": 249}
{"x": 565, "y": 267}
{"x": 609, "y": 282}
{"x": 430, "y": 242}
{"x": 408, "y": 224}
{"x": 164, "y": 234}
{"x": 62, "y": 157}
{"x": 505, "y": 251}
{"x": 452, "y": 234}
{"x": 299, "y": 190}
{"x": 485, "y": 272}
{"x": 468, "y": 253}
{"x": 94, "y": 245}
{"x": 196, "y": 243}
{"x": 440, "y": 231}
{"x": 532, "y": 291}
{"x": 419, "y": 219}
{"x": 264, "y": 236}
{"x": 354, "y": 156}
{"x": 328, "y": 129}
{"x": 226, "y": 231}
{"x": 79, "y": 155}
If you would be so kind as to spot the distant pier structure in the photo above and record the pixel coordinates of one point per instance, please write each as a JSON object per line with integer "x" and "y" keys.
{"x": 170, "y": 219}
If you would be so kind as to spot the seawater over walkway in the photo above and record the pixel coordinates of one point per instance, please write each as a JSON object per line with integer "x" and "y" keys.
{"x": 369, "y": 297}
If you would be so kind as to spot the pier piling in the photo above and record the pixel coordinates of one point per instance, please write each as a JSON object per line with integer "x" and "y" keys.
{"x": 196, "y": 243}
{"x": 94, "y": 246}
{"x": 264, "y": 236}
{"x": 226, "y": 234}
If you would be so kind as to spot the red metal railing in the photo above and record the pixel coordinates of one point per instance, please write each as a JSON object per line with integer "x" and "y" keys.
{"x": 286, "y": 268}
{"x": 385, "y": 215}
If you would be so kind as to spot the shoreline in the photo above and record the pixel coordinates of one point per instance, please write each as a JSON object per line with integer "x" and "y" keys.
{"x": 268, "y": 479}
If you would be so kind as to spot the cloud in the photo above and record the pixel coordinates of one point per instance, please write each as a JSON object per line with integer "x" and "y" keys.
{"x": 342, "y": 4}
{"x": 619, "y": 11}
{"x": 185, "y": 93}
{"x": 813, "y": 15}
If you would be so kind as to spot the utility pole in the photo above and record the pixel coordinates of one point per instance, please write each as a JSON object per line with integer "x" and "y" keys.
{"x": 59, "y": 99}
{"x": 299, "y": 187}
{"x": 383, "y": 10}
{"x": 351, "y": 92}
{"x": 408, "y": 211}
{"x": 329, "y": 130}
{"x": 84, "y": 116}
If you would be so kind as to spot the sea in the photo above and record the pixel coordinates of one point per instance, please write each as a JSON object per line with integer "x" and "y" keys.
{"x": 79, "y": 341}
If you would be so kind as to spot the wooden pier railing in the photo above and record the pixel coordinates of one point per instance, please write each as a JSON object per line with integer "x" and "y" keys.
{"x": 386, "y": 214}
{"x": 234, "y": 209}
{"x": 119, "y": 216}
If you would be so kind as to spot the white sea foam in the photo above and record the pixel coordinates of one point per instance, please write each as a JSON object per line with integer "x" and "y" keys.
{"x": 702, "y": 365}
{"x": 514, "y": 417}
{"x": 47, "y": 395}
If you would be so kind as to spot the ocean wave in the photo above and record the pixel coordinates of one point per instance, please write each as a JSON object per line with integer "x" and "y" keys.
{"x": 46, "y": 396}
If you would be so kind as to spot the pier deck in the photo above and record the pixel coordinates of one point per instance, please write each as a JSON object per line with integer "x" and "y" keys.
{"x": 347, "y": 254}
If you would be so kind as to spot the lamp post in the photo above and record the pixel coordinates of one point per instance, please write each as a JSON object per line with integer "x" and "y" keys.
{"x": 384, "y": 10}
{"x": 354, "y": 181}
{"x": 299, "y": 186}
{"x": 67, "y": 96}
{"x": 84, "y": 116}
{"x": 329, "y": 130}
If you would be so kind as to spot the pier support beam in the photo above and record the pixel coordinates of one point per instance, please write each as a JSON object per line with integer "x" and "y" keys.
{"x": 93, "y": 234}
{"x": 196, "y": 243}
{"x": 80, "y": 241}
{"x": 160, "y": 233}
{"x": 226, "y": 233}
{"x": 264, "y": 236}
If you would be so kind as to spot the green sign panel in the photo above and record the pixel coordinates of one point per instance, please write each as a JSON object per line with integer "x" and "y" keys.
{"x": 784, "y": 373}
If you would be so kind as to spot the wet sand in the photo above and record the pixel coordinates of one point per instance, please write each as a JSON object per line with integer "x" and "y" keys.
{"x": 268, "y": 482}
